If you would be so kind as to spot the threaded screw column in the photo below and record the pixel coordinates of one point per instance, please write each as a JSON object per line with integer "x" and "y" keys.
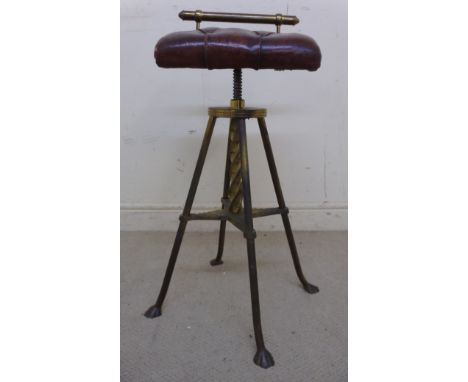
{"x": 237, "y": 75}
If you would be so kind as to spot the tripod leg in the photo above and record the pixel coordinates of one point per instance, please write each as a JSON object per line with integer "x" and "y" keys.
{"x": 155, "y": 310}
{"x": 222, "y": 232}
{"x": 263, "y": 357}
{"x": 222, "y": 227}
{"x": 279, "y": 195}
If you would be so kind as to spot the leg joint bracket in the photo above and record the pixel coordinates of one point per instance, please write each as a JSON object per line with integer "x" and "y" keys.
{"x": 250, "y": 235}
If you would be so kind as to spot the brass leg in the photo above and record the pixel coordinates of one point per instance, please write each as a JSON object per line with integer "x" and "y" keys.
{"x": 155, "y": 310}
{"x": 263, "y": 357}
{"x": 222, "y": 232}
{"x": 279, "y": 195}
{"x": 222, "y": 227}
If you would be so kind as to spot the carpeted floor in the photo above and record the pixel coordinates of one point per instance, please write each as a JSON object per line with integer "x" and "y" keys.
{"x": 205, "y": 332}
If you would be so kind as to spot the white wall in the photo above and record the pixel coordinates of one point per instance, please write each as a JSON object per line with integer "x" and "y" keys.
{"x": 163, "y": 116}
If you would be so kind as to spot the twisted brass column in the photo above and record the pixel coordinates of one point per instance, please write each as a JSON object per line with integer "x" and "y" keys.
{"x": 235, "y": 186}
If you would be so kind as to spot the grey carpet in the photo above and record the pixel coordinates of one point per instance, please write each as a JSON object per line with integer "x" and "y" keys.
{"x": 205, "y": 332}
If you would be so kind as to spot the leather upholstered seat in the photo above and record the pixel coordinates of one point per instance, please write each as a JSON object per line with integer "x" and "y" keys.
{"x": 233, "y": 48}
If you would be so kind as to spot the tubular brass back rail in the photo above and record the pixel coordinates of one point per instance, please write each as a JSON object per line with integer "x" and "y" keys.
{"x": 278, "y": 19}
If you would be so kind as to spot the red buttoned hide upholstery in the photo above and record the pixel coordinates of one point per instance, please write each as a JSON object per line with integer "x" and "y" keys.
{"x": 233, "y": 48}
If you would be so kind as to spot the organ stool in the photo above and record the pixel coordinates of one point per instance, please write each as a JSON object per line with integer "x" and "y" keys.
{"x": 232, "y": 48}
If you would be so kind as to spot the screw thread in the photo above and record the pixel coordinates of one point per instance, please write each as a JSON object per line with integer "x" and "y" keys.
{"x": 237, "y": 84}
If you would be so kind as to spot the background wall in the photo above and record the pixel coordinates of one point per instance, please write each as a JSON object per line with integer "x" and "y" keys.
{"x": 163, "y": 116}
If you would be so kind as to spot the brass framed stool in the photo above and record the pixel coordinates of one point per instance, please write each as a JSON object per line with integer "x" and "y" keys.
{"x": 231, "y": 48}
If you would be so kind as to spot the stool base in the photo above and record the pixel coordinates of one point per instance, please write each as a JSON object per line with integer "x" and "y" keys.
{"x": 236, "y": 209}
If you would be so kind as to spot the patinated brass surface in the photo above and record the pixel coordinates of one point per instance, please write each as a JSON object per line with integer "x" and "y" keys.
{"x": 235, "y": 187}
{"x": 229, "y": 112}
{"x": 277, "y": 19}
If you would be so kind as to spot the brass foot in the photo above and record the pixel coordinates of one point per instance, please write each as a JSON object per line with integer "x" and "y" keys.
{"x": 264, "y": 359}
{"x": 153, "y": 312}
{"x": 216, "y": 262}
{"x": 309, "y": 288}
